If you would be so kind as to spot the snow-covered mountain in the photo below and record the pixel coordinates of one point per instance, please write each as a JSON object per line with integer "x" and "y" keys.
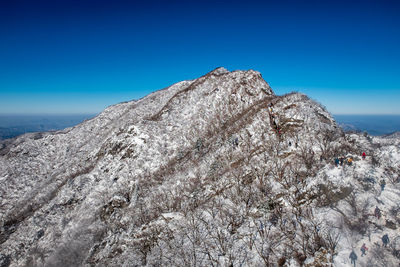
{"x": 217, "y": 171}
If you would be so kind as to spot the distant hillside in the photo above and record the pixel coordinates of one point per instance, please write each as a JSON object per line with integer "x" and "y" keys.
{"x": 372, "y": 124}
{"x": 393, "y": 135}
{"x": 15, "y": 125}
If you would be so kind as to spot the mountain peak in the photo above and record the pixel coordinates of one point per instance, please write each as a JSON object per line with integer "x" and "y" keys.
{"x": 219, "y": 70}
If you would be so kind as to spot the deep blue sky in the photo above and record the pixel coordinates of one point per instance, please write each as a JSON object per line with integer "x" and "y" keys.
{"x": 80, "y": 56}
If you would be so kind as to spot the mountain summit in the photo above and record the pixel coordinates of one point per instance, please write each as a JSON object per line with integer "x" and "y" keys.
{"x": 216, "y": 171}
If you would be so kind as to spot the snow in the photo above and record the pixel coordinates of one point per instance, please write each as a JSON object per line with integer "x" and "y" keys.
{"x": 159, "y": 181}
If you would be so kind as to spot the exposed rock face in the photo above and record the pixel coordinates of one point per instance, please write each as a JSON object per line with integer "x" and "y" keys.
{"x": 214, "y": 171}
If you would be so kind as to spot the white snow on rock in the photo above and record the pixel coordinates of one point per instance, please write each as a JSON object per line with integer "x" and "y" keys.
{"x": 217, "y": 171}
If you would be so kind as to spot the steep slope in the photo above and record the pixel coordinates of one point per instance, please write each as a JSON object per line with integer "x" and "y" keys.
{"x": 214, "y": 171}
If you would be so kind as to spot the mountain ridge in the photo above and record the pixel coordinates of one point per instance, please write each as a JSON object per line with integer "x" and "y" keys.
{"x": 188, "y": 164}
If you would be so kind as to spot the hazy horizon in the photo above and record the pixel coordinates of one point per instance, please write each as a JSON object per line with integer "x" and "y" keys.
{"x": 14, "y": 125}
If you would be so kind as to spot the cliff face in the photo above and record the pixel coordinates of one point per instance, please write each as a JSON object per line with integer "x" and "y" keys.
{"x": 213, "y": 171}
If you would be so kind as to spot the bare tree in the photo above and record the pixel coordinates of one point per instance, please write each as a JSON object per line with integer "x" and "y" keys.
{"x": 332, "y": 239}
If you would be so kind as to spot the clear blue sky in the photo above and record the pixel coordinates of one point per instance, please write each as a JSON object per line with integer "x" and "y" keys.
{"x": 66, "y": 56}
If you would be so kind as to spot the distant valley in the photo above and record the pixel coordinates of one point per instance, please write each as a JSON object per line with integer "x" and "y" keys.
{"x": 372, "y": 124}
{"x": 15, "y": 125}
